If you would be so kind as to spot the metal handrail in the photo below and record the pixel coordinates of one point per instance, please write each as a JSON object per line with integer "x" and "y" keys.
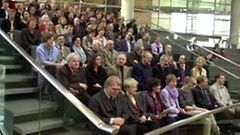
{"x": 78, "y": 104}
{"x": 224, "y": 70}
{"x": 209, "y": 51}
{"x": 188, "y": 120}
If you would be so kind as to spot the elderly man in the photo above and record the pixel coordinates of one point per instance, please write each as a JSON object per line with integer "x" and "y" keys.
{"x": 72, "y": 76}
{"x": 135, "y": 56}
{"x": 111, "y": 107}
{"x": 109, "y": 54}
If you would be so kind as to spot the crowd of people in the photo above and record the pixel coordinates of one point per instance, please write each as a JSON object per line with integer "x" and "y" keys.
{"x": 104, "y": 61}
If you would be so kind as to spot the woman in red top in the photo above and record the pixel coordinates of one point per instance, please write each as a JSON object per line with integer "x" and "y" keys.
{"x": 137, "y": 109}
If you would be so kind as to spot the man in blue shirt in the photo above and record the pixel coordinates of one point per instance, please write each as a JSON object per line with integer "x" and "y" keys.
{"x": 46, "y": 55}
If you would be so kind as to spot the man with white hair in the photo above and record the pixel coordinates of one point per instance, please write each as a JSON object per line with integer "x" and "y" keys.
{"x": 96, "y": 48}
{"x": 109, "y": 54}
{"x": 72, "y": 76}
{"x": 78, "y": 30}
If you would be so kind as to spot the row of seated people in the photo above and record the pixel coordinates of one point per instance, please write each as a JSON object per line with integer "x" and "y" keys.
{"x": 107, "y": 62}
{"x": 138, "y": 119}
{"x": 140, "y": 113}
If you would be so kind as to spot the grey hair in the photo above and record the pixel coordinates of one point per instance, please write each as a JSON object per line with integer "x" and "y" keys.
{"x": 71, "y": 55}
{"x": 95, "y": 42}
{"x": 138, "y": 46}
{"x": 112, "y": 80}
{"x": 201, "y": 59}
{"x": 163, "y": 57}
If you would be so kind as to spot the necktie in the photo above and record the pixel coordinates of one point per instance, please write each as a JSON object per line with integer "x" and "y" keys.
{"x": 113, "y": 104}
{"x": 61, "y": 53}
{"x": 158, "y": 50}
{"x": 206, "y": 96}
{"x": 182, "y": 72}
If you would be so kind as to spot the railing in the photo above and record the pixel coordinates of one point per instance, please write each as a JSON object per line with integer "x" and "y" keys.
{"x": 140, "y": 20}
{"x": 189, "y": 120}
{"x": 66, "y": 93}
{"x": 203, "y": 48}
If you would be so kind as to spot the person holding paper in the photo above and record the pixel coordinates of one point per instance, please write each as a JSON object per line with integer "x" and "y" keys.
{"x": 169, "y": 98}
{"x": 187, "y": 103}
{"x": 154, "y": 106}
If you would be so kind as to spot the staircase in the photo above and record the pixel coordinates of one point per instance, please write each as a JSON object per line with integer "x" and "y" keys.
{"x": 24, "y": 113}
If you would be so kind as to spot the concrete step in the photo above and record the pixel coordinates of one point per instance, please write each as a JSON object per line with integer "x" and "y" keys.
{"x": 33, "y": 126}
{"x": 19, "y": 80}
{"x": 12, "y": 91}
{"x": 28, "y": 106}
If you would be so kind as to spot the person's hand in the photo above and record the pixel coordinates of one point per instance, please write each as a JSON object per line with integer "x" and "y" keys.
{"x": 135, "y": 61}
{"x": 58, "y": 65}
{"x": 160, "y": 116}
{"x": 73, "y": 91}
{"x": 84, "y": 86}
{"x": 232, "y": 110}
{"x": 182, "y": 111}
{"x": 118, "y": 121}
{"x": 97, "y": 85}
{"x": 143, "y": 119}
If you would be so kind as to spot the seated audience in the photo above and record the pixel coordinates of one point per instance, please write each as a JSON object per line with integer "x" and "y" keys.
{"x": 120, "y": 69}
{"x": 96, "y": 49}
{"x": 69, "y": 36}
{"x": 9, "y": 24}
{"x": 87, "y": 41}
{"x": 109, "y": 54}
{"x": 61, "y": 26}
{"x": 135, "y": 56}
{"x": 169, "y": 97}
{"x": 157, "y": 47}
{"x": 163, "y": 69}
{"x": 186, "y": 102}
{"x": 63, "y": 51}
{"x": 72, "y": 76}
{"x": 95, "y": 74}
{"x": 78, "y": 49}
{"x": 199, "y": 70}
{"x": 126, "y": 45}
{"x": 143, "y": 71}
{"x": 137, "y": 108}
{"x": 183, "y": 69}
{"x": 110, "y": 106}
{"x": 30, "y": 36}
{"x": 222, "y": 98}
{"x": 202, "y": 95}
{"x": 154, "y": 104}
{"x": 46, "y": 55}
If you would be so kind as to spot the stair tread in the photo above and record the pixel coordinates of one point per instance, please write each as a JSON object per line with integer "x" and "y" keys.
{"x": 9, "y": 91}
{"x": 7, "y": 58}
{"x": 28, "y": 106}
{"x": 13, "y": 66}
{"x": 17, "y": 77}
{"x": 33, "y": 126}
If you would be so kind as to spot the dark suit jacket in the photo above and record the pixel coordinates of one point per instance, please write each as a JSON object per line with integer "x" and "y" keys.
{"x": 2, "y": 13}
{"x": 6, "y": 25}
{"x": 150, "y": 106}
{"x": 142, "y": 73}
{"x": 200, "y": 98}
{"x": 101, "y": 106}
{"x": 29, "y": 39}
{"x": 78, "y": 30}
{"x": 133, "y": 113}
{"x": 123, "y": 45}
{"x": 65, "y": 77}
{"x": 131, "y": 57}
{"x": 162, "y": 74}
{"x": 95, "y": 77}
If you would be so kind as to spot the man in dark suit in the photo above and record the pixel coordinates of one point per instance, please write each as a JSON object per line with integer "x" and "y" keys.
{"x": 143, "y": 71}
{"x": 4, "y": 10}
{"x": 125, "y": 45}
{"x": 78, "y": 30}
{"x": 183, "y": 69}
{"x": 164, "y": 68}
{"x": 110, "y": 106}
{"x": 9, "y": 24}
{"x": 135, "y": 56}
{"x": 72, "y": 76}
{"x": 201, "y": 94}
